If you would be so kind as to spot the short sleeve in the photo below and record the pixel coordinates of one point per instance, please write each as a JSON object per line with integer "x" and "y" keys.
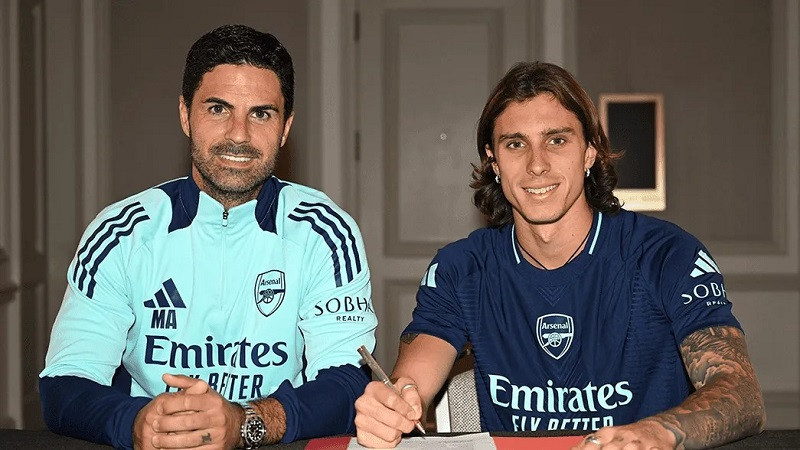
{"x": 690, "y": 286}
{"x": 438, "y": 312}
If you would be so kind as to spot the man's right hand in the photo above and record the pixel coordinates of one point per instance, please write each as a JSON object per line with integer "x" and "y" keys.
{"x": 143, "y": 431}
{"x": 382, "y": 416}
{"x": 143, "y": 424}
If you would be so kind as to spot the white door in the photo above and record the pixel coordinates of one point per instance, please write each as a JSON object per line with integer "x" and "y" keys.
{"x": 425, "y": 69}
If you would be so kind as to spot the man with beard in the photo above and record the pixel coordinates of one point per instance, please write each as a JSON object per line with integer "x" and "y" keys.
{"x": 221, "y": 309}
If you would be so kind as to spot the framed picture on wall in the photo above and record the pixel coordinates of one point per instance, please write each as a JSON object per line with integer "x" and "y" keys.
{"x": 634, "y": 124}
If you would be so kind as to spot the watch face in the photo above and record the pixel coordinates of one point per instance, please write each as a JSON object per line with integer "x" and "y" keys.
{"x": 254, "y": 429}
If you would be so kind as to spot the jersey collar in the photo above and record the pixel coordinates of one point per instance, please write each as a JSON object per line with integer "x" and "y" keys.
{"x": 185, "y": 196}
{"x": 597, "y": 222}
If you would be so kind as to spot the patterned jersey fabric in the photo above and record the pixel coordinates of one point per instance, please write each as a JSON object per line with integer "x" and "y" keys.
{"x": 591, "y": 344}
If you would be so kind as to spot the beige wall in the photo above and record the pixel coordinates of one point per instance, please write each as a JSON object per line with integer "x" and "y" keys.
{"x": 712, "y": 62}
{"x": 149, "y": 42}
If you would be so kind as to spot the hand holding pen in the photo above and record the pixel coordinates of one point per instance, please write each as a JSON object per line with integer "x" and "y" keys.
{"x": 383, "y": 377}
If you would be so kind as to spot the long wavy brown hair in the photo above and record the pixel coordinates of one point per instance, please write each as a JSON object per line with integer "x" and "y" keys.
{"x": 522, "y": 82}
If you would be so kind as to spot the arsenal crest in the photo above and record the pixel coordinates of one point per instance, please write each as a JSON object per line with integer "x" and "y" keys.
{"x": 554, "y": 333}
{"x": 269, "y": 291}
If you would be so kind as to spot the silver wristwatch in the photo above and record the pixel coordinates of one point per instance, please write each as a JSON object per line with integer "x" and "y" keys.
{"x": 253, "y": 428}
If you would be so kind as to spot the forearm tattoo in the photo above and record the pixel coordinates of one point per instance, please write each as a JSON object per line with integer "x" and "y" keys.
{"x": 727, "y": 404}
{"x": 408, "y": 338}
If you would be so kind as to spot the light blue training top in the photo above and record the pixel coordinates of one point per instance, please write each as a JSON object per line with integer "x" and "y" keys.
{"x": 166, "y": 281}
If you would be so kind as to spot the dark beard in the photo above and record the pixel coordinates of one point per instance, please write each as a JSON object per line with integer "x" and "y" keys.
{"x": 231, "y": 187}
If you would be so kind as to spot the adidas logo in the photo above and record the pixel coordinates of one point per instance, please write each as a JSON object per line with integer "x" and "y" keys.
{"x": 703, "y": 265}
{"x": 429, "y": 279}
{"x": 166, "y": 297}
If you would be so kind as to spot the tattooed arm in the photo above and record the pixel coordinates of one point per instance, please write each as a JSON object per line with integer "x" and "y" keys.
{"x": 422, "y": 367}
{"x": 726, "y": 406}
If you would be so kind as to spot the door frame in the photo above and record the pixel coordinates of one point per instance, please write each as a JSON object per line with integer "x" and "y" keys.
{"x": 333, "y": 79}
{"x": 73, "y": 76}
{"x": 10, "y": 355}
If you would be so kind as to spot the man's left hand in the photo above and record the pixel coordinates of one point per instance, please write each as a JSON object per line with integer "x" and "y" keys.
{"x": 196, "y": 417}
{"x": 645, "y": 434}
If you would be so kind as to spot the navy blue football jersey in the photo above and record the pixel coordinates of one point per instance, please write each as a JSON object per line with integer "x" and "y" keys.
{"x": 594, "y": 343}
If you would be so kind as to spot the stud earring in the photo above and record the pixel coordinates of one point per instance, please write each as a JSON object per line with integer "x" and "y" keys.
{"x": 587, "y": 173}
{"x": 497, "y": 179}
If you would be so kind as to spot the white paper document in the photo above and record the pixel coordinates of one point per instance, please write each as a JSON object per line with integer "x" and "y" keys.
{"x": 476, "y": 441}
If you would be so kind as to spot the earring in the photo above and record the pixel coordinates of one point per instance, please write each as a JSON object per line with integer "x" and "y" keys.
{"x": 587, "y": 173}
{"x": 497, "y": 179}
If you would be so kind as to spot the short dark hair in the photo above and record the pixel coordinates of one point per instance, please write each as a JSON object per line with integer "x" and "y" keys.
{"x": 238, "y": 44}
{"x": 522, "y": 82}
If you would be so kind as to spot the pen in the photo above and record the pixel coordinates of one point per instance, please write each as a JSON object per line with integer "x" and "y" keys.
{"x": 382, "y": 375}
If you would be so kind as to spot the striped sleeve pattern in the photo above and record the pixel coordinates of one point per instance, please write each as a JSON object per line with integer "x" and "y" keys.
{"x": 336, "y": 233}
{"x": 99, "y": 244}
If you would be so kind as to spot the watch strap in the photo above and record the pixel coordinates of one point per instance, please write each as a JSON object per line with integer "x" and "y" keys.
{"x": 252, "y": 419}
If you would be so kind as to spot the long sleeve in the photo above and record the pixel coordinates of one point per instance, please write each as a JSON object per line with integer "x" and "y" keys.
{"x": 81, "y": 408}
{"x": 324, "y": 406}
{"x": 336, "y": 318}
{"x": 89, "y": 338}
